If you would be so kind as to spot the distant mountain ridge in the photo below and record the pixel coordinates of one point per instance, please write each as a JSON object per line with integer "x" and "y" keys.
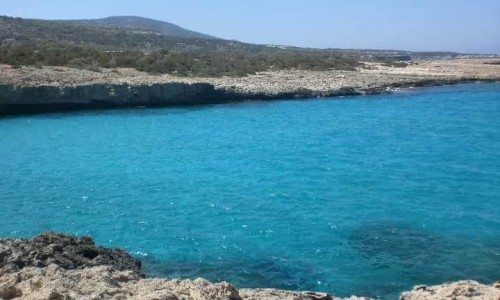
{"x": 140, "y": 23}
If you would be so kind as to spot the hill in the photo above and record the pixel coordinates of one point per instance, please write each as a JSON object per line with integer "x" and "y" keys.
{"x": 56, "y": 43}
{"x": 160, "y": 47}
{"x": 139, "y": 23}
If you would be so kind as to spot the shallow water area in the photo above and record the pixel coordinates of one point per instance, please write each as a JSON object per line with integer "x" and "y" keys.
{"x": 366, "y": 195}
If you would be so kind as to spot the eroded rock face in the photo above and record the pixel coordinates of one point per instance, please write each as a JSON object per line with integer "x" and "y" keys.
{"x": 104, "y": 282}
{"x": 65, "y": 251}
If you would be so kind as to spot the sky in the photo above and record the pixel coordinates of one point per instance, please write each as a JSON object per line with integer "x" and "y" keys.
{"x": 467, "y": 26}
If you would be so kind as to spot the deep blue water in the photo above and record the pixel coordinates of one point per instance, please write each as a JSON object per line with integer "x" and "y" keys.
{"x": 367, "y": 195}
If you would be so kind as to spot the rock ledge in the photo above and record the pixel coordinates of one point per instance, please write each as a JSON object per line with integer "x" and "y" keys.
{"x": 55, "y": 266}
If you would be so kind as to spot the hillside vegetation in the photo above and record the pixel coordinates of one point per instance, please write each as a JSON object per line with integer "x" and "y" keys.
{"x": 147, "y": 45}
{"x": 132, "y": 22}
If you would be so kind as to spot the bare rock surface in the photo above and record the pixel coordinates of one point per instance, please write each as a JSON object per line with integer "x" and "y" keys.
{"x": 374, "y": 74}
{"x": 67, "y": 252}
{"x": 274, "y": 294}
{"x": 461, "y": 290}
{"x": 59, "y": 267}
{"x": 104, "y": 282}
{"x": 35, "y": 90}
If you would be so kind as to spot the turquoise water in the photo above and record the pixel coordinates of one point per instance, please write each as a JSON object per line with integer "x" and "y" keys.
{"x": 367, "y": 196}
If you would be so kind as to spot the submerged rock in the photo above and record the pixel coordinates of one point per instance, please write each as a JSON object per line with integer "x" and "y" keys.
{"x": 396, "y": 242}
{"x": 245, "y": 271}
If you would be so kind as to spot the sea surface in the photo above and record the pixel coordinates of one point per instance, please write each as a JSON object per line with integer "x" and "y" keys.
{"x": 365, "y": 195}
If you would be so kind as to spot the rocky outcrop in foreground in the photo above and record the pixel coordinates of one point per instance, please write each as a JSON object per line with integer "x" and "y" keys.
{"x": 54, "y": 266}
{"x": 65, "y": 251}
{"x": 461, "y": 290}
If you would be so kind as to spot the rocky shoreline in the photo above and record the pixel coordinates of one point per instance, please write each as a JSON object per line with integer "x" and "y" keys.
{"x": 35, "y": 90}
{"x": 56, "y": 266}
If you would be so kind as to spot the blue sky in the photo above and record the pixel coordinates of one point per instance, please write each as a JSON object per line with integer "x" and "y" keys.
{"x": 431, "y": 25}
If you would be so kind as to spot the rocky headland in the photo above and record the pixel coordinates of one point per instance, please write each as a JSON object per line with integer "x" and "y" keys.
{"x": 55, "y": 266}
{"x": 32, "y": 90}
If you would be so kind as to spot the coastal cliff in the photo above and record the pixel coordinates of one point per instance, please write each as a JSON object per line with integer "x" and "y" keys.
{"x": 34, "y": 90}
{"x": 56, "y": 266}
{"x": 29, "y": 99}
{"x": 33, "y": 99}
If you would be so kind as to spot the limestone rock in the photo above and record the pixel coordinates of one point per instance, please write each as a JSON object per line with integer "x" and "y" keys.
{"x": 461, "y": 290}
{"x": 34, "y": 90}
{"x": 273, "y": 294}
{"x": 104, "y": 282}
{"x": 60, "y": 267}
